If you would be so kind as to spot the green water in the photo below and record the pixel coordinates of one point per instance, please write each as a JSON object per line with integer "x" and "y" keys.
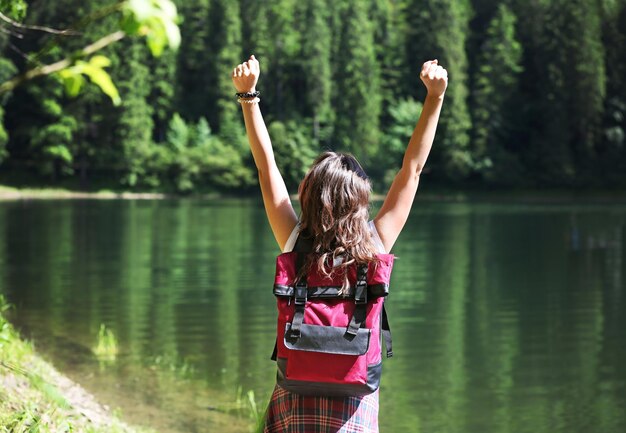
{"x": 506, "y": 316}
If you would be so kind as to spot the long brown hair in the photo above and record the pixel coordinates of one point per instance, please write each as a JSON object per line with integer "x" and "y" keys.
{"x": 334, "y": 197}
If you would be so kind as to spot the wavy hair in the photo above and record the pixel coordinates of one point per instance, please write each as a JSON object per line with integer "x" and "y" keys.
{"x": 334, "y": 197}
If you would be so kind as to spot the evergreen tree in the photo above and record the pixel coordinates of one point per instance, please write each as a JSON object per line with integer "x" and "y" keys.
{"x": 586, "y": 83}
{"x": 495, "y": 111}
{"x": 564, "y": 78}
{"x": 612, "y": 150}
{"x": 437, "y": 29}
{"x": 256, "y": 37}
{"x": 357, "y": 98}
{"x": 548, "y": 99}
{"x": 316, "y": 58}
{"x": 133, "y": 130}
{"x": 194, "y": 60}
{"x": 389, "y": 30}
{"x": 546, "y": 153}
{"x": 163, "y": 90}
{"x": 7, "y": 69}
{"x": 283, "y": 67}
{"x": 224, "y": 49}
{"x": 51, "y": 144}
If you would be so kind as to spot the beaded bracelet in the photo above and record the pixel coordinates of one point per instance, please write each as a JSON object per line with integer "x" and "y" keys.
{"x": 249, "y": 101}
{"x": 248, "y": 94}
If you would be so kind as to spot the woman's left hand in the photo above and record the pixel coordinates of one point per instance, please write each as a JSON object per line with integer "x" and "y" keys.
{"x": 435, "y": 78}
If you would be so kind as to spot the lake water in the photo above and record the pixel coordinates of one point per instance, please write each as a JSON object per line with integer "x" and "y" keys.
{"x": 507, "y": 315}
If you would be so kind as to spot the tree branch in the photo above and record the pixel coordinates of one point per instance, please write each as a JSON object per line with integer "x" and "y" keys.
{"x": 40, "y": 28}
{"x": 39, "y": 71}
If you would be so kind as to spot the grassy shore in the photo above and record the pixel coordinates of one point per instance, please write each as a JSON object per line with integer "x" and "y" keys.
{"x": 11, "y": 193}
{"x": 429, "y": 192}
{"x": 36, "y": 398}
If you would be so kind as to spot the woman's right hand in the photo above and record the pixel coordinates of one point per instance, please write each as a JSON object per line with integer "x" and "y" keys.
{"x": 246, "y": 75}
{"x": 435, "y": 78}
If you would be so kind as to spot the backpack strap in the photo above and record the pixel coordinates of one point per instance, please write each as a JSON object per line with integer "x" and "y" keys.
{"x": 386, "y": 331}
{"x": 360, "y": 299}
{"x": 303, "y": 244}
{"x": 300, "y": 294}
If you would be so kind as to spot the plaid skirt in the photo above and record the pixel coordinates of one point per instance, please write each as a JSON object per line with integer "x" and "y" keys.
{"x": 293, "y": 413}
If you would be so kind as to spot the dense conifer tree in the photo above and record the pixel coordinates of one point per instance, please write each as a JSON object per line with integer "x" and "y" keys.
{"x": 316, "y": 67}
{"x": 7, "y": 70}
{"x": 585, "y": 84}
{"x": 496, "y": 88}
{"x": 547, "y": 102}
{"x": 357, "y": 77}
{"x": 564, "y": 86}
{"x": 194, "y": 61}
{"x": 134, "y": 123}
{"x": 388, "y": 40}
{"x": 612, "y": 149}
{"x": 224, "y": 52}
{"x": 438, "y": 29}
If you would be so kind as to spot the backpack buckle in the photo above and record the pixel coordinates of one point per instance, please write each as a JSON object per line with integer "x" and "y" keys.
{"x": 300, "y": 304}
{"x": 300, "y": 293}
{"x": 360, "y": 293}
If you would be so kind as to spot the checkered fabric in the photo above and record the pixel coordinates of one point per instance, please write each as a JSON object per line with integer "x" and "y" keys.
{"x": 293, "y": 413}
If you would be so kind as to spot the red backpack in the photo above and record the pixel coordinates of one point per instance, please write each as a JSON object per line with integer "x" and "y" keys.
{"x": 330, "y": 344}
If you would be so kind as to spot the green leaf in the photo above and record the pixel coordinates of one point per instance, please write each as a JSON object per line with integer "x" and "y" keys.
{"x": 169, "y": 8}
{"x": 102, "y": 79}
{"x": 100, "y": 61}
{"x": 173, "y": 34}
{"x": 157, "y": 20}
{"x": 129, "y": 23}
{"x": 156, "y": 37}
{"x": 142, "y": 9}
{"x": 73, "y": 83}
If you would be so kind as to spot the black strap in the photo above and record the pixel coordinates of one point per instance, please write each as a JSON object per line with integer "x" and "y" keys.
{"x": 300, "y": 295}
{"x": 360, "y": 299}
{"x": 386, "y": 332}
{"x": 300, "y": 304}
{"x": 304, "y": 243}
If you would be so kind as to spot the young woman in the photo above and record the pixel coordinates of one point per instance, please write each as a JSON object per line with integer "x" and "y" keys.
{"x": 334, "y": 197}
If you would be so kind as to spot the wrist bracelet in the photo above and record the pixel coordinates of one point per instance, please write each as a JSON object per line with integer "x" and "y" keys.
{"x": 249, "y": 101}
{"x": 248, "y": 94}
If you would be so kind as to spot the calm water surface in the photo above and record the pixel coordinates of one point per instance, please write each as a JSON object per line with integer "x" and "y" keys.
{"x": 506, "y": 316}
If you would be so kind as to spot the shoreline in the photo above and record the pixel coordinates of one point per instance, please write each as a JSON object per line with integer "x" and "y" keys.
{"x": 34, "y": 394}
{"x": 425, "y": 194}
{"x": 39, "y": 394}
{"x": 11, "y": 193}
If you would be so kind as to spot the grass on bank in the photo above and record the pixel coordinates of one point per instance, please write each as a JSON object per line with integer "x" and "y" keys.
{"x": 8, "y": 192}
{"x": 106, "y": 347}
{"x": 30, "y": 400}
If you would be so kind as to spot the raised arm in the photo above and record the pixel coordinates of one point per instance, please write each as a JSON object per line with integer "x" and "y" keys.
{"x": 395, "y": 209}
{"x": 280, "y": 213}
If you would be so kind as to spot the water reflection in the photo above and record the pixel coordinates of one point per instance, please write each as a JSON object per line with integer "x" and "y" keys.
{"x": 506, "y": 317}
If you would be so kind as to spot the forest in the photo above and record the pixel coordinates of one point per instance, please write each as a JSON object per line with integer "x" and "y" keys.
{"x": 536, "y": 97}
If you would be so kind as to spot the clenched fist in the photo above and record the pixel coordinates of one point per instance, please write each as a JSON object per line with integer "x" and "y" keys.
{"x": 435, "y": 78}
{"x": 246, "y": 75}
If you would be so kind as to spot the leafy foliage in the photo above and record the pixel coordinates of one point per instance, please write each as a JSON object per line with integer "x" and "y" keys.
{"x": 536, "y": 93}
{"x": 14, "y": 8}
{"x": 94, "y": 69}
{"x": 294, "y": 149}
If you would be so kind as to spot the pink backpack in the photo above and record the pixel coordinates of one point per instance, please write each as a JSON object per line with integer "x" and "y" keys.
{"x": 328, "y": 344}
